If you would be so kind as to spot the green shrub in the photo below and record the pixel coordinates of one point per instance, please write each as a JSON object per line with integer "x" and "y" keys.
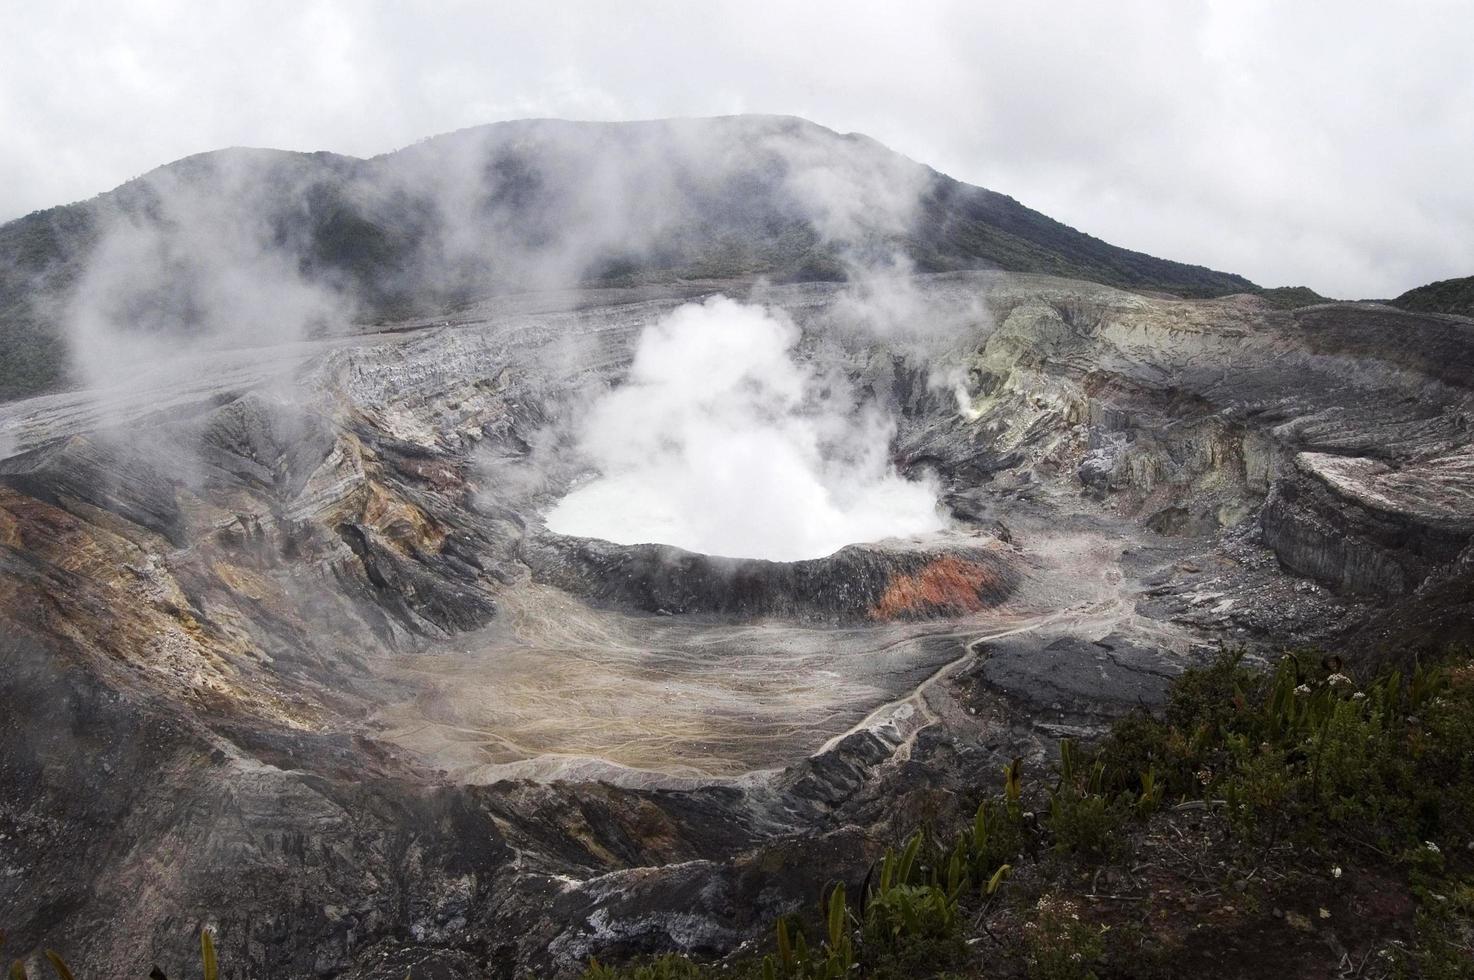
{"x": 794, "y": 960}
{"x": 669, "y": 967}
{"x": 1304, "y": 750}
{"x": 903, "y": 904}
{"x": 1083, "y": 818}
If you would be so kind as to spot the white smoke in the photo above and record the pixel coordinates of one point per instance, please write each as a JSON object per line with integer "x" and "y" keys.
{"x": 722, "y": 442}
{"x": 252, "y": 249}
{"x": 198, "y": 268}
{"x": 953, "y": 379}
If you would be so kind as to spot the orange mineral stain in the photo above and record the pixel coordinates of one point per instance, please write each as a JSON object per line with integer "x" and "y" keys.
{"x": 947, "y": 586}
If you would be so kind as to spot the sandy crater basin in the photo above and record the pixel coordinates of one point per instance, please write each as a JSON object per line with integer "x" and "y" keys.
{"x": 558, "y": 689}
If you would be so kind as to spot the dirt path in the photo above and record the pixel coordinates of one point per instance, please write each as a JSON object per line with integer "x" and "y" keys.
{"x": 921, "y": 714}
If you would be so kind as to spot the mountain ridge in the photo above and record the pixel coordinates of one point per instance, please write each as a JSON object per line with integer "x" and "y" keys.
{"x": 506, "y": 207}
{"x": 1454, "y": 296}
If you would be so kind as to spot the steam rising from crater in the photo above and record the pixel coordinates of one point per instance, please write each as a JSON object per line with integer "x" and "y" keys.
{"x": 723, "y": 442}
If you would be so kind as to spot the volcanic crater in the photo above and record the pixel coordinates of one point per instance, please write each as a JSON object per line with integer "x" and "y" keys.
{"x": 308, "y": 588}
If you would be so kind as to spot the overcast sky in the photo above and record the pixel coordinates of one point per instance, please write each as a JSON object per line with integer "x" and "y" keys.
{"x": 1329, "y": 144}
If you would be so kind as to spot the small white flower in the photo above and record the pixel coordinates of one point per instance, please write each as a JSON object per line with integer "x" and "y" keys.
{"x": 1303, "y": 689}
{"x": 1359, "y": 696}
{"x": 1336, "y": 872}
{"x": 1338, "y": 680}
{"x": 1432, "y": 846}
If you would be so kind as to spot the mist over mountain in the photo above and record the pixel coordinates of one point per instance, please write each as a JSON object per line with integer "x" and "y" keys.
{"x": 562, "y": 542}
{"x": 508, "y": 207}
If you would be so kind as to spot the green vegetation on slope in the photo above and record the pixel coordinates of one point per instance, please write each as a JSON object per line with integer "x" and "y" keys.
{"x": 963, "y": 226}
{"x": 35, "y": 268}
{"x": 1258, "y": 826}
{"x": 1291, "y": 823}
{"x": 1293, "y": 297}
{"x": 1446, "y": 296}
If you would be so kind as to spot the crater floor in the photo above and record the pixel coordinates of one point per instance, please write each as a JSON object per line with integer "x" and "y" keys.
{"x": 556, "y": 688}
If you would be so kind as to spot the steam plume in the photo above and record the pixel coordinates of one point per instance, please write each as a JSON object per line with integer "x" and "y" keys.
{"x": 722, "y": 442}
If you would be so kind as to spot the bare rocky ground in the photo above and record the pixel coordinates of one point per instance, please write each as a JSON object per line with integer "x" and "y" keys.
{"x": 289, "y": 654}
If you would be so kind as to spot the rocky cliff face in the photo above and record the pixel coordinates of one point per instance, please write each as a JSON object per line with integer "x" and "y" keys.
{"x": 345, "y": 700}
{"x": 905, "y": 580}
{"x": 1344, "y": 428}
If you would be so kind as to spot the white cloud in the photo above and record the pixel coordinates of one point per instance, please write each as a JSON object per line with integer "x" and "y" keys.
{"x": 1323, "y": 143}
